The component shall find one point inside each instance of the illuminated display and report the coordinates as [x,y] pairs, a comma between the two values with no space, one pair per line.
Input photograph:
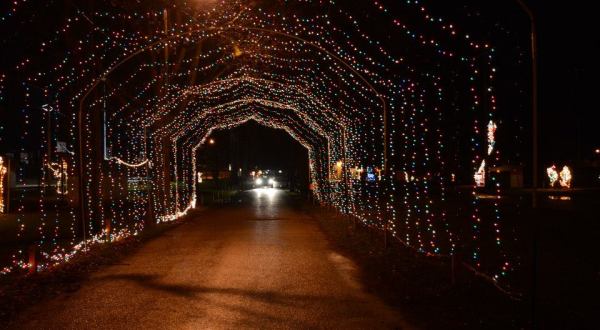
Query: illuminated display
[480,175]
[61,173]
[139,101]
[491,136]
[565,177]
[3,174]
[552,175]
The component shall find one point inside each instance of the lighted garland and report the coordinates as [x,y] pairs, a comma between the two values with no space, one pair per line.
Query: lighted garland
[319,73]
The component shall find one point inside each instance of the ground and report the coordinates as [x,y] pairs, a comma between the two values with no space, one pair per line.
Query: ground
[261,264]
[273,260]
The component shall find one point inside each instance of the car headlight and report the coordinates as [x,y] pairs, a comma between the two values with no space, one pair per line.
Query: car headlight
[258,181]
[271,181]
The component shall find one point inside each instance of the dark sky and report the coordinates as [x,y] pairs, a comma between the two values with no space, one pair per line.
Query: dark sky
[254,146]
[569,69]
[569,51]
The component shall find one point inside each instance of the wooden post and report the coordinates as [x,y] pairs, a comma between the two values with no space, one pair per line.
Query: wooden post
[108,229]
[453,269]
[33,259]
[7,203]
[166,51]
[149,207]
[385,236]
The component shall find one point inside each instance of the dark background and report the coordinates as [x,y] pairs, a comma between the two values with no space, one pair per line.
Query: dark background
[252,146]
[568,53]
[569,49]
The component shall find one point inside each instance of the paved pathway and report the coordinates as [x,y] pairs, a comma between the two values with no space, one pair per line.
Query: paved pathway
[261,264]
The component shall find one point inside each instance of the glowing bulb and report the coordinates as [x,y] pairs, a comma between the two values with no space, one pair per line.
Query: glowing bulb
[3,171]
[480,175]
[552,175]
[566,177]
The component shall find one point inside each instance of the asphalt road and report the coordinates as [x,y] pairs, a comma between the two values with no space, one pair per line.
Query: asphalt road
[260,264]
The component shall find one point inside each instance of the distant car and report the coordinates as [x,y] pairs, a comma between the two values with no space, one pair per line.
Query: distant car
[265,182]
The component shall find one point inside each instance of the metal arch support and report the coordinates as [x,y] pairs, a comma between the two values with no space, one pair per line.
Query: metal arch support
[219,29]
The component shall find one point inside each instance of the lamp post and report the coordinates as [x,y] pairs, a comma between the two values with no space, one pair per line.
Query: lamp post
[534,100]
[534,115]
[214,159]
[4,171]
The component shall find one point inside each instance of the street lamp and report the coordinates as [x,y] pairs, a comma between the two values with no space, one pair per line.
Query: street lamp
[534,115]
[534,103]
[3,172]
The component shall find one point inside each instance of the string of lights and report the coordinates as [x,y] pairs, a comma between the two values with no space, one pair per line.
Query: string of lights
[390,136]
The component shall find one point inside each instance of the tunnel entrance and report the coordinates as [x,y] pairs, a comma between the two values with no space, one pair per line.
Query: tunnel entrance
[250,156]
[400,135]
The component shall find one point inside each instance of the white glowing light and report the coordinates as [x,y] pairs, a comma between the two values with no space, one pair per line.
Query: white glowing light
[552,175]
[61,174]
[177,215]
[565,177]
[480,175]
[3,172]
[337,171]
[269,193]
[122,162]
[491,136]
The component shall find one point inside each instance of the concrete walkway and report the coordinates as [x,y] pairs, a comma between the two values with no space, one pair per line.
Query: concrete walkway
[261,264]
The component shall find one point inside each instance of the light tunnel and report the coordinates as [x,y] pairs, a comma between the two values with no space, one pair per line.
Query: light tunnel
[411,119]
[184,146]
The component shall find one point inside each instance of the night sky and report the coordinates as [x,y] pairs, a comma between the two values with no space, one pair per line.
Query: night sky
[569,69]
[569,48]
[253,146]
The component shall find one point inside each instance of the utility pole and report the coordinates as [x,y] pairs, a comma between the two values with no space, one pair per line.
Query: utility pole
[534,116]
[534,100]
[166,30]
[385,136]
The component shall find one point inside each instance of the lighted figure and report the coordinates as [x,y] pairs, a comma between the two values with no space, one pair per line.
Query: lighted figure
[237,52]
[60,173]
[552,175]
[337,170]
[566,177]
[356,173]
[480,175]
[491,136]
[3,171]
[370,175]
